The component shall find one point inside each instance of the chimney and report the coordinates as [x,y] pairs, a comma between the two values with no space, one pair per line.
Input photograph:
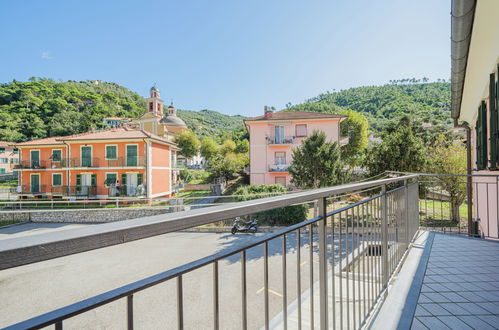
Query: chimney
[267,111]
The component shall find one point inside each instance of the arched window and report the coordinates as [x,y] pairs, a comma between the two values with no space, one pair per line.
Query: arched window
[150,106]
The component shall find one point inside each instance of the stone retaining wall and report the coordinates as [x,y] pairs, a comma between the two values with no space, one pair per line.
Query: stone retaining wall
[82,216]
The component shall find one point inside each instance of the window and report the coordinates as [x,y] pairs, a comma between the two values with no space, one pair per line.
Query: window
[111,152]
[150,106]
[86,156]
[4,160]
[301,130]
[35,158]
[16,151]
[111,179]
[56,155]
[2,150]
[481,137]
[494,129]
[278,134]
[280,158]
[2,170]
[56,179]
[280,180]
[131,155]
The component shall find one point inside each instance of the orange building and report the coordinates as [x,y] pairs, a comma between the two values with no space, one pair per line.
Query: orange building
[110,163]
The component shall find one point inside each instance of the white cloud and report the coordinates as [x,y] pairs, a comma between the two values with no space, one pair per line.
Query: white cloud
[47,56]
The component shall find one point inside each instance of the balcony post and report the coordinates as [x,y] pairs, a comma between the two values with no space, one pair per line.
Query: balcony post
[323,262]
[384,236]
[406,204]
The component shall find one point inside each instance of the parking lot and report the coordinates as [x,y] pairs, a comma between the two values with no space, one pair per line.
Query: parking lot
[30,290]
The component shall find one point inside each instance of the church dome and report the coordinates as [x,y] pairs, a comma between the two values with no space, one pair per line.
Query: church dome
[171,120]
[154,88]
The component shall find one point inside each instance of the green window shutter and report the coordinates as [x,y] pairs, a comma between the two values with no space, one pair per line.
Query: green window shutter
[86,156]
[493,122]
[139,178]
[93,181]
[78,180]
[56,155]
[484,135]
[123,179]
[110,179]
[481,137]
[111,152]
[56,179]
[131,155]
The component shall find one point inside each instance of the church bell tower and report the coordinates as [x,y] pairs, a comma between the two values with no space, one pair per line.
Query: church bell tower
[154,103]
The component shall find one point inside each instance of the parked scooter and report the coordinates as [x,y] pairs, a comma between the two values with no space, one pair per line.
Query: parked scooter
[248,227]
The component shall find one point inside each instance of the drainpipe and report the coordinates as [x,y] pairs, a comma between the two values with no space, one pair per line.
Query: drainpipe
[148,169]
[469,179]
[68,171]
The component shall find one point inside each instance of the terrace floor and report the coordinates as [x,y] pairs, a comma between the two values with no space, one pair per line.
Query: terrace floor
[449,282]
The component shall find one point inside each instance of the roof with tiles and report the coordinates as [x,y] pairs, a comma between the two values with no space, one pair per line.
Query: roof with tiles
[290,115]
[110,134]
[5,144]
[39,142]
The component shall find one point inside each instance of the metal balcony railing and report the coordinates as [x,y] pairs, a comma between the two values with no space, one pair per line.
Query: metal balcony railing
[279,168]
[34,189]
[280,139]
[356,245]
[76,191]
[32,164]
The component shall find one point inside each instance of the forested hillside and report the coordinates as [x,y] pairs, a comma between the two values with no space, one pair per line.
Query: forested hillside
[209,122]
[43,107]
[427,102]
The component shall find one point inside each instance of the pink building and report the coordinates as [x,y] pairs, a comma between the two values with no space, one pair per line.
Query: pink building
[9,157]
[274,135]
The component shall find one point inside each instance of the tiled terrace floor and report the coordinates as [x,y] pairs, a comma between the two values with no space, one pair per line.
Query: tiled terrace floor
[460,289]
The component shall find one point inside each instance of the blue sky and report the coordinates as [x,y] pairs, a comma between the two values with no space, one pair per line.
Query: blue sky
[231,56]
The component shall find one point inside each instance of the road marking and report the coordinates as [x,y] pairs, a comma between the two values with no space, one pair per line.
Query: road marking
[270,290]
[303,263]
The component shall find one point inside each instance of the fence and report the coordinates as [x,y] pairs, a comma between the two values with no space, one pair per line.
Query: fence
[357,247]
[443,205]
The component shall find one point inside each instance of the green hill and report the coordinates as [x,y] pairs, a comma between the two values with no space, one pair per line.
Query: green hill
[43,107]
[209,122]
[428,102]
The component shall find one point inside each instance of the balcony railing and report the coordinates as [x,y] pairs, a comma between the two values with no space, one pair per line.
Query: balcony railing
[282,168]
[280,140]
[84,162]
[348,251]
[101,162]
[127,191]
[35,189]
[27,164]
[76,191]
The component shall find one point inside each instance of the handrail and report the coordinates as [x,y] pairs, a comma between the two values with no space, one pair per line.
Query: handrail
[26,250]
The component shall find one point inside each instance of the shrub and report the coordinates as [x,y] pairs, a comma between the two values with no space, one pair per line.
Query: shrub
[287,215]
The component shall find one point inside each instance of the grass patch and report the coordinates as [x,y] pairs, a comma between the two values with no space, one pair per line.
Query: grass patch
[187,195]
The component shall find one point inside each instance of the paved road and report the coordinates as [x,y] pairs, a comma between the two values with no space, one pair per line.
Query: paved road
[37,288]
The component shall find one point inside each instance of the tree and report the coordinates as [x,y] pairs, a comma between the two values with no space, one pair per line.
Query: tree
[450,158]
[400,150]
[208,148]
[355,127]
[242,146]
[228,147]
[188,143]
[226,165]
[317,163]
